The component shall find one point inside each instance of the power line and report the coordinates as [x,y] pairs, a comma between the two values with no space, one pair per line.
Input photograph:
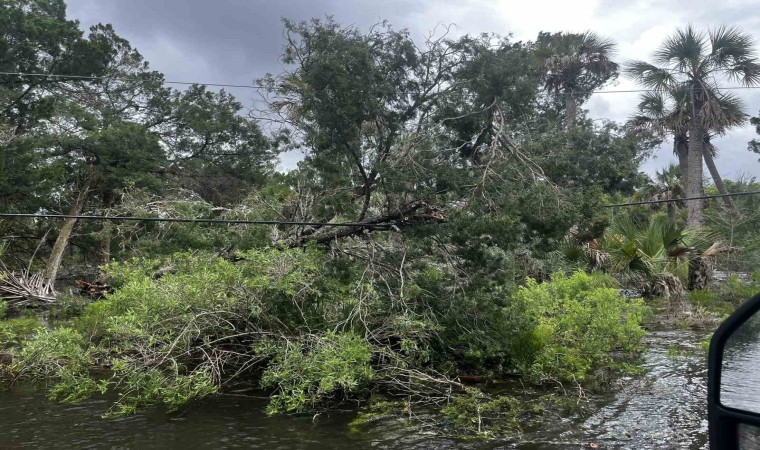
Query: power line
[94,78]
[260,86]
[703,197]
[195,220]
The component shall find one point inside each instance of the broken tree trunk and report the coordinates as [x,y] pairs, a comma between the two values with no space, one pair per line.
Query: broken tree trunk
[715,175]
[62,241]
[415,212]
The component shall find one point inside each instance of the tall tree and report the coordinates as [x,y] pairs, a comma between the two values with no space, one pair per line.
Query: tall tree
[214,150]
[36,37]
[669,113]
[99,134]
[574,65]
[695,61]
[754,144]
[351,101]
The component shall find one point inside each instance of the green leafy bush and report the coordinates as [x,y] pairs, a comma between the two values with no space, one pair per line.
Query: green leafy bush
[712,302]
[737,291]
[475,413]
[140,387]
[14,331]
[3,309]
[305,373]
[182,335]
[61,357]
[577,322]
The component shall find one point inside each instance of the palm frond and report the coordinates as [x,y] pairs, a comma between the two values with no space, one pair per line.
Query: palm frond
[729,45]
[727,112]
[745,72]
[592,43]
[685,49]
[650,76]
[653,104]
[650,254]
[721,112]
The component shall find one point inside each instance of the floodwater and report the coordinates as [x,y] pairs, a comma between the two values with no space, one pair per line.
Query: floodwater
[664,407]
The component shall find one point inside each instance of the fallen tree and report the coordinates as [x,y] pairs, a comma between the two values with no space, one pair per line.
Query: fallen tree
[415,212]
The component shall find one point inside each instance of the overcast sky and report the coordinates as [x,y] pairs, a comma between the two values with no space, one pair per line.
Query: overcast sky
[237,41]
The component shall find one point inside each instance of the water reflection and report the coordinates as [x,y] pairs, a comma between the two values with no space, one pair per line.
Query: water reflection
[749,437]
[740,372]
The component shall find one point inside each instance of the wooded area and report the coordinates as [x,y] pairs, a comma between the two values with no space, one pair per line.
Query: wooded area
[480,179]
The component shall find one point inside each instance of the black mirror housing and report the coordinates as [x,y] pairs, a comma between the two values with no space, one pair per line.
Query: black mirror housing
[723,421]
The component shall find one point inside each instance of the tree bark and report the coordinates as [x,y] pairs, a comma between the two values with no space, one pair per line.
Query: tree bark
[406,215]
[571,111]
[105,239]
[699,273]
[672,212]
[681,149]
[694,183]
[105,244]
[62,241]
[715,175]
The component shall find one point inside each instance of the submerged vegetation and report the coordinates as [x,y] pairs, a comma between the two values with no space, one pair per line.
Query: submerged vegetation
[468,182]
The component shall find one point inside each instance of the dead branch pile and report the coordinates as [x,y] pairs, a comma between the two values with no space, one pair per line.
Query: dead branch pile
[24,288]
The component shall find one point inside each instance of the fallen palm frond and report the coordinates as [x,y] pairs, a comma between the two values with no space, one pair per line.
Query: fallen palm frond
[24,288]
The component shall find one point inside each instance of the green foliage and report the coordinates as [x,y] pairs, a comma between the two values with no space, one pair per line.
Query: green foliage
[207,305]
[604,157]
[653,255]
[577,324]
[73,386]
[737,291]
[49,352]
[3,309]
[140,387]
[476,414]
[60,357]
[712,302]
[470,127]
[68,307]
[14,331]
[304,374]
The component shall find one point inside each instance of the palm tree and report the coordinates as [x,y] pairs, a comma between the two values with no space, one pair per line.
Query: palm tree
[731,115]
[694,61]
[650,255]
[668,186]
[573,65]
[663,113]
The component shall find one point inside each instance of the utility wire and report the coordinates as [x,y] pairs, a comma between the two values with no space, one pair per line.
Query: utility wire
[703,197]
[94,78]
[194,220]
[260,86]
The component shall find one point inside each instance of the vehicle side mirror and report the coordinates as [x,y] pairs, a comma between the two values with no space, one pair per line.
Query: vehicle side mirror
[733,380]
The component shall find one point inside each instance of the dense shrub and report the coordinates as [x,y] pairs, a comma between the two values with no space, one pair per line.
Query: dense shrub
[14,331]
[576,323]
[316,332]
[304,373]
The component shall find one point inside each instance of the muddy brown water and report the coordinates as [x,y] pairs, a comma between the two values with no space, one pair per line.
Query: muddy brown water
[664,407]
